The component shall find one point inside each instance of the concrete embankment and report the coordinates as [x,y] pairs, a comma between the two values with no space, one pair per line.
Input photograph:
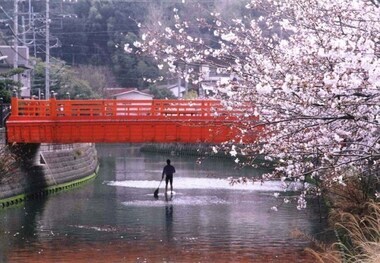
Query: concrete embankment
[47,168]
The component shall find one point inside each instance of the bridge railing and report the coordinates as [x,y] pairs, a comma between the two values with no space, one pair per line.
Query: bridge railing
[119,109]
[114,121]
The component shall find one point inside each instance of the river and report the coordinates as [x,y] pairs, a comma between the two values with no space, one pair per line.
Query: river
[115,217]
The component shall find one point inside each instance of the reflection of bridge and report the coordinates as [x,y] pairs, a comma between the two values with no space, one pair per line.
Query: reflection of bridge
[71,121]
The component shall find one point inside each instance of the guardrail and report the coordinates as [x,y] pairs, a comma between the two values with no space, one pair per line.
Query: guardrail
[119,109]
[108,121]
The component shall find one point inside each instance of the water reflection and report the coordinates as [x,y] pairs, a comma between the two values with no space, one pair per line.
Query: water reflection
[115,218]
[169,217]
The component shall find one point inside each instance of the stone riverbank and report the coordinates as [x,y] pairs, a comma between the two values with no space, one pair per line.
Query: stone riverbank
[47,168]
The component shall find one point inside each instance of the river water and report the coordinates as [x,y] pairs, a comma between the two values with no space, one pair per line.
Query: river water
[115,217]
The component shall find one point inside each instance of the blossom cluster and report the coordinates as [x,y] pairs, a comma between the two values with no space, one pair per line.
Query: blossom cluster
[309,70]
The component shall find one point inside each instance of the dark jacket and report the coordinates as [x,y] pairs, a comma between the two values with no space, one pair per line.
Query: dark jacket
[168,170]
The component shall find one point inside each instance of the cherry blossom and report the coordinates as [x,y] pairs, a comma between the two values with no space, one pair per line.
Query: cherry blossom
[310,72]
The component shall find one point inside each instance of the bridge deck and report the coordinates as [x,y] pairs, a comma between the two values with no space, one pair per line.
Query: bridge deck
[70,121]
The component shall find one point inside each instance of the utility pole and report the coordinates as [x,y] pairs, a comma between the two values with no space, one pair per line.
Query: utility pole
[15,44]
[23,31]
[30,13]
[34,33]
[47,59]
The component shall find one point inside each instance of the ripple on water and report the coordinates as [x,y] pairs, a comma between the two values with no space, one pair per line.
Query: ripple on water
[204,183]
[178,201]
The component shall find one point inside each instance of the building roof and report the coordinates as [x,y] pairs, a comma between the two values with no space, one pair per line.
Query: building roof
[116,92]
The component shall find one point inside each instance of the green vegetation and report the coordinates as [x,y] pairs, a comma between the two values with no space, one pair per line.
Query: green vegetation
[91,37]
[65,81]
[190,95]
[96,34]
[161,93]
[7,84]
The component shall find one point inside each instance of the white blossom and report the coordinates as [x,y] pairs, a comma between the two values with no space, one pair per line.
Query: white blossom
[228,37]
[263,88]
[127,48]
[274,208]
[301,202]
[137,44]
[233,151]
[214,149]
[310,71]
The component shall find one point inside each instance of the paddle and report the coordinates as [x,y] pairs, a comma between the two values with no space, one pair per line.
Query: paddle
[156,192]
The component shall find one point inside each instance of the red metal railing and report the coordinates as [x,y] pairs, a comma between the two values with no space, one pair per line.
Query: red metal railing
[67,121]
[152,109]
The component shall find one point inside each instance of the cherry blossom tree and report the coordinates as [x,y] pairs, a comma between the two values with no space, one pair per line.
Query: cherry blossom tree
[309,70]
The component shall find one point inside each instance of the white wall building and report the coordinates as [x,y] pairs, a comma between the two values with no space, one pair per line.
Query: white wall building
[128,94]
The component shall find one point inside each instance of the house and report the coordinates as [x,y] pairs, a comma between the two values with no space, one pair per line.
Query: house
[128,108]
[7,53]
[211,77]
[127,94]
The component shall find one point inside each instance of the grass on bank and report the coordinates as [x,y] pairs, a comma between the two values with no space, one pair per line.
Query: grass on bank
[358,238]
[355,218]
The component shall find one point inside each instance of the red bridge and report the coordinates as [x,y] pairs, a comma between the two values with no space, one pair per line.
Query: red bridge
[110,121]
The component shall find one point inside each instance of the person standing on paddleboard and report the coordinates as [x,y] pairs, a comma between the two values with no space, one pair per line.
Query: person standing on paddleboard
[169,170]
